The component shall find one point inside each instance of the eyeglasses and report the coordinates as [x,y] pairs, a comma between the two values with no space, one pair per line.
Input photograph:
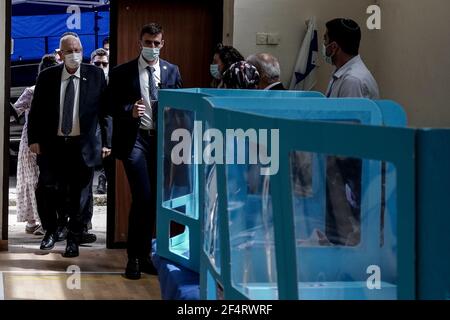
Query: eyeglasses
[99,63]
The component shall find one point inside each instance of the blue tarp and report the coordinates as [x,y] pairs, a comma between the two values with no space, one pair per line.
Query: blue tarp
[36,35]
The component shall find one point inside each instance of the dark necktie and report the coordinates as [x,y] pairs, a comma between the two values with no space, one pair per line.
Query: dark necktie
[67,116]
[153,90]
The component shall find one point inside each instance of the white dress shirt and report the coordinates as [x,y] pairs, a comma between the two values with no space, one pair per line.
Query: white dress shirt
[353,80]
[76,108]
[146,120]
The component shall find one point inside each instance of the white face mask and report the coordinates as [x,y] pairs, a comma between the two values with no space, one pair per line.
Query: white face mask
[214,70]
[150,54]
[328,59]
[73,60]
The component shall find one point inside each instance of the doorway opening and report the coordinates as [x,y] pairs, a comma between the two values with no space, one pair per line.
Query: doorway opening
[36,27]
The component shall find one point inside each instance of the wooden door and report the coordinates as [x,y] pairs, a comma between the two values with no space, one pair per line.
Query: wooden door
[191,31]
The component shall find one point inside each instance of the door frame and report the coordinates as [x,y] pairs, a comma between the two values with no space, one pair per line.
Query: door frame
[228,22]
[227,39]
[4,117]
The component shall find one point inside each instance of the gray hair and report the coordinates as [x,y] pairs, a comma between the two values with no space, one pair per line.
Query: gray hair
[267,65]
[67,36]
[99,52]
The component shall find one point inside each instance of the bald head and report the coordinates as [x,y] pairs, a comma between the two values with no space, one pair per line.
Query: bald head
[268,67]
[68,41]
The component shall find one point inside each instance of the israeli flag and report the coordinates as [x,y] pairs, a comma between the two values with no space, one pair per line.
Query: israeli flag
[304,77]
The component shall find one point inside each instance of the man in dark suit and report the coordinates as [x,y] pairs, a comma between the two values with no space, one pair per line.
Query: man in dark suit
[269,71]
[134,92]
[66,110]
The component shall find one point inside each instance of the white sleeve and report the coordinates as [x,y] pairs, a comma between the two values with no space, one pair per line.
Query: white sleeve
[351,87]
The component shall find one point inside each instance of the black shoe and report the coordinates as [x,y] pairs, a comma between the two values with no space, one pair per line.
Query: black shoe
[133,271]
[49,241]
[148,267]
[71,249]
[61,233]
[87,237]
[101,187]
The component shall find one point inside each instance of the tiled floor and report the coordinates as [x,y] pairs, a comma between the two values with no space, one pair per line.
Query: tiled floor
[96,274]
[29,273]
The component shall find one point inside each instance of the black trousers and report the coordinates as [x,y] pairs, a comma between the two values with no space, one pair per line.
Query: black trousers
[343,215]
[63,186]
[140,168]
[107,171]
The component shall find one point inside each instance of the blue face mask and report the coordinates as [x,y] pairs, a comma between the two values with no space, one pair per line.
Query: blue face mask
[214,70]
[328,58]
[150,54]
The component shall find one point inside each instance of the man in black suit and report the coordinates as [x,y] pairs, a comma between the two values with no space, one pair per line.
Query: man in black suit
[269,71]
[65,112]
[134,92]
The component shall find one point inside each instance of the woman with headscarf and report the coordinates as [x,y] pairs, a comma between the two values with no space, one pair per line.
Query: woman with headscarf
[241,75]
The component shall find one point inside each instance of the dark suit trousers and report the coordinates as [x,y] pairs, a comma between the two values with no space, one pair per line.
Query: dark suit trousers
[140,168]
[64,182]
[47,198]
[107,171]
[342,216]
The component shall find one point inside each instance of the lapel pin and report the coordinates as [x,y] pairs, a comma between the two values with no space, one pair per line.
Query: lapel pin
[84,79]
[165,67]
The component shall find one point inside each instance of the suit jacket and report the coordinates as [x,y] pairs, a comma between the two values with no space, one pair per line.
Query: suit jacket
[43,119]
[125,90]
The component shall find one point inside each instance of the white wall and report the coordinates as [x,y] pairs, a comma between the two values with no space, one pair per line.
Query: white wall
[414,59]
[2,100]
[409,56]
[288,17]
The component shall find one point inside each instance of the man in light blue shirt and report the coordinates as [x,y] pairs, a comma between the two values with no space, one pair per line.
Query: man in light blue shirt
[351,79]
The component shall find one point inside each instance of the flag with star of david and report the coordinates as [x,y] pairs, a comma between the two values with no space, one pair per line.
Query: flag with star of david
[305,72]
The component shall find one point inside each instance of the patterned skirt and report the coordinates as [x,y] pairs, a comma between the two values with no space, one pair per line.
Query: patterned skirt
[27,178]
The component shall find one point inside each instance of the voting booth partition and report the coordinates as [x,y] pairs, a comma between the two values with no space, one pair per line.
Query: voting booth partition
[277,206]
[181,189]
[313,233]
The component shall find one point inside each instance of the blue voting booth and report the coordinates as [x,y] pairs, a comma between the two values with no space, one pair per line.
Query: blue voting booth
[325,224]
[179,198]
